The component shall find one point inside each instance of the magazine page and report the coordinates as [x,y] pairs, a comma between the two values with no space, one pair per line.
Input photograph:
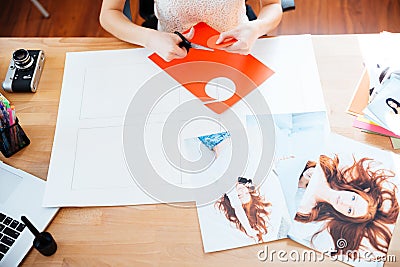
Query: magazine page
[386,105]
[349,208]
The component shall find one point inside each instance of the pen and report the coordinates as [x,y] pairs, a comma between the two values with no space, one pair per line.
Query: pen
[1,116]
[10,116]
[30,226]
[7,117]
[14,128]
[13,112]
[3,133]
[43,241]
[20,135]
[4,100]
[13,138]
[5,114]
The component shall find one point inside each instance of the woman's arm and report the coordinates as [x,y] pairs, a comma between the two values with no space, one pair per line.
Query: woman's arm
[242,217]
[247,33]
[115,22]
[270,16]
[240,213]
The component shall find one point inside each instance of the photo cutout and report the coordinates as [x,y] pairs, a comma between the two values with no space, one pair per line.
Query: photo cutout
[208,156]
[347,204]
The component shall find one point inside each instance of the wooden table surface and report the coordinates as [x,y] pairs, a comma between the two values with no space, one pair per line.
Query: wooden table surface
[156,235]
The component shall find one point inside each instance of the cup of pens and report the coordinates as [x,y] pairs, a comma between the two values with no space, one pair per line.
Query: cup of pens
[12,136]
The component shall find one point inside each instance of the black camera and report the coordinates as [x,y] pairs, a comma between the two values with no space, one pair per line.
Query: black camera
[24,71]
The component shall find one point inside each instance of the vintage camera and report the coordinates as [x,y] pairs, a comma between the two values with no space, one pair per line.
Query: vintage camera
[24,71]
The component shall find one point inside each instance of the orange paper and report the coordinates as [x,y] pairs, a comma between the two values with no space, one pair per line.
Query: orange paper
[212,42]
[245,71]
[361,96]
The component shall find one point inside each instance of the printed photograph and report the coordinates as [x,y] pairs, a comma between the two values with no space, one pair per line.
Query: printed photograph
[347,202]
[249,213]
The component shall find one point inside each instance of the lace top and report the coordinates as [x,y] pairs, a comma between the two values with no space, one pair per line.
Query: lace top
[180,15]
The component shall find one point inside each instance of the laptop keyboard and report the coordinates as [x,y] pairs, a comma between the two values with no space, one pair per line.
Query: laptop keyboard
[10,230]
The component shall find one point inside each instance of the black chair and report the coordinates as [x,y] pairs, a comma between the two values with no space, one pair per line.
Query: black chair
[146,11]
[288,5]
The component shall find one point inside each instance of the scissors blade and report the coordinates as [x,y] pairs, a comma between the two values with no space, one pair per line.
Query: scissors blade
[200,47]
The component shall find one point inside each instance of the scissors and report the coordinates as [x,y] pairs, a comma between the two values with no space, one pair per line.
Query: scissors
[187,44]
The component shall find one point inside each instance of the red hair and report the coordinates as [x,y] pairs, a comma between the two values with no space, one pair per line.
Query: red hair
[369,184]
[255,211]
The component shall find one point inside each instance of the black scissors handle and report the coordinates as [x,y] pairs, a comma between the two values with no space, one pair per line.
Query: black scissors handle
[185,42]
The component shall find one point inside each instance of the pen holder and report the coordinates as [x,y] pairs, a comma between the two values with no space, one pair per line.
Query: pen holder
[12,139]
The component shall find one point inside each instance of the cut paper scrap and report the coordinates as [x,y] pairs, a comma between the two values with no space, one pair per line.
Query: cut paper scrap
[361,95]
[395,142]
[200,67]
[212,42]
[365,124]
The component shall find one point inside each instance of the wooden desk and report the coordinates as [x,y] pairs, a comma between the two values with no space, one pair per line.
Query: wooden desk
[159,235]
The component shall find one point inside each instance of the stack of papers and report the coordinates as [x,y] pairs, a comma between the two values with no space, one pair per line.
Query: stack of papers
[376,103]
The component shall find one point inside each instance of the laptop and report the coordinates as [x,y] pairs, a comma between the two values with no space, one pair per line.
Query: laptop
[20,194]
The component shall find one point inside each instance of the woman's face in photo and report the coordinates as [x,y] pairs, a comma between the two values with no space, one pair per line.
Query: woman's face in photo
[243,193]
[392,104]
[350,204]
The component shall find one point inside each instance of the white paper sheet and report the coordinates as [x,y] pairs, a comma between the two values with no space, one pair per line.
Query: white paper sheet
[87,166]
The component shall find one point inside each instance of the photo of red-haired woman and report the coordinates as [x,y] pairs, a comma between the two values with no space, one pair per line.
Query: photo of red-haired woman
[350,204]
[248,214]
[246,209]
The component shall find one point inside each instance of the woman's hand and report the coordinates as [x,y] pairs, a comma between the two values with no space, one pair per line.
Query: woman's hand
[166,45]
[246,34]
[252,233]
[303,181]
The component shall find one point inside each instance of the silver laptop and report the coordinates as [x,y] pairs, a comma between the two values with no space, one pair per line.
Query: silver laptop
[20,194]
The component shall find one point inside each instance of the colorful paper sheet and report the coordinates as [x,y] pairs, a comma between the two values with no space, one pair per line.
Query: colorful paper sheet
[200,66]
[365,124]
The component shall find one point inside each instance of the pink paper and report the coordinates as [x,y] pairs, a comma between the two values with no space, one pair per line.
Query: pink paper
[373,128]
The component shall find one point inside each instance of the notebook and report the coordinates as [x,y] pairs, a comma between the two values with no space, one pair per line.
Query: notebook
[20,194]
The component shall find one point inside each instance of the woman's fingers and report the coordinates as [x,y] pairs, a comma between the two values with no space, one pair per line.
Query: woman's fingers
[189,35]
[226,36]
[169,49]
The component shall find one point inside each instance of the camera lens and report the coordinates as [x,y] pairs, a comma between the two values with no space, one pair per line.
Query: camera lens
[22,59]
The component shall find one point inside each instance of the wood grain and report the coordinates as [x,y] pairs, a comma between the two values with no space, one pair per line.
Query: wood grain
[156,235]
[77,18]
[341,16]
[38,112]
